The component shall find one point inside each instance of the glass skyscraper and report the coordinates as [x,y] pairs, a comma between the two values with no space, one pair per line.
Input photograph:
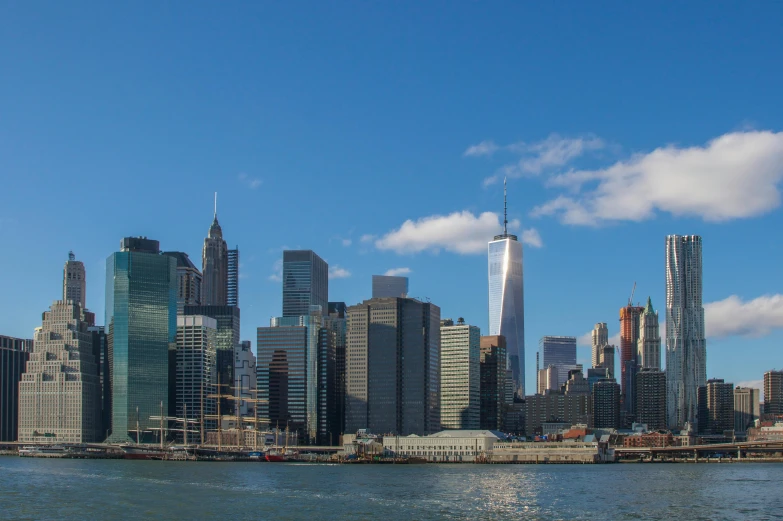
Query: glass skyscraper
[389,286]
[686,350]
[232,292]
[141,324]
[506,301]
[305,283]
[560,352]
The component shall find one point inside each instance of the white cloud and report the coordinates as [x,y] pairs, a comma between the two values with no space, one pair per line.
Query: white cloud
[250,182]
[485,148]
[532,238]
[554,151]
[459,232]
[395,272]
[277,271]
[736,175]
[733,316]
[367,237]
[336,272]
[346,242]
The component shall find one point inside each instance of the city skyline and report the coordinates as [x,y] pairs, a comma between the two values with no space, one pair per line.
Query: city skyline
[432,135]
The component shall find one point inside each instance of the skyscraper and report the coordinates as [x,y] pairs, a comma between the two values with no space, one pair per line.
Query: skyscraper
[305,283]
[651,398]
[59,394]
[389,286]
[607,359]
[629,337]
[648,347]
[337,322]
[245,377]
[141,324]
[393,367]
[460,375]
[718,397]
[506,299]
[600,339]
[746,408]
[493,378]
[295,370]
[14,353]
[74,281]
[606,404]
[189,281]
[214,268]
[232,293]
[560,352]
[196,368]
[686,353]
[773,392]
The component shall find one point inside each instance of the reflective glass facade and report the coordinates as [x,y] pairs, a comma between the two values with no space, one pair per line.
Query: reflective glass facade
[305,283]
[14,353]
[506,303]
[141,324]
[686,350]
[232,292]
[560,352]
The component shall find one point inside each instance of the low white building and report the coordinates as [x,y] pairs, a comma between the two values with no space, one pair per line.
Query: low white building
[451,445]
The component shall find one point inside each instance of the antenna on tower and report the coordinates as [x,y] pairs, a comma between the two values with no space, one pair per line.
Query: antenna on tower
[215,205]
[505,209]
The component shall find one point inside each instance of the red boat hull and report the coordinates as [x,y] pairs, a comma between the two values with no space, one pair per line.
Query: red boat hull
[275,458]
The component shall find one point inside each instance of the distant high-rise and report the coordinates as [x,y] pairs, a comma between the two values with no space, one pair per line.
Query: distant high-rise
[558,351]
[74,281]
[389,286]
[607,359]
[746,408]
[648,346]
[295,370]
[686,353]
[14,353]
[305,283]
[773,392]
[393,375]
[232,293]
[493,378]
[59,394]
[245,377]
[214,267]
[460,375]
[189,281]
[716,406]
[506,298]
[630,317]
[228,327]
[337,322]
[100,350]
[141,325]
[600,339]
[651,398]
[606,404]
[196,368]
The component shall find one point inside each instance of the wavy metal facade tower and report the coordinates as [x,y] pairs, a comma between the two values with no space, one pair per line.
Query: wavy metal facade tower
[506,299]
[686,350]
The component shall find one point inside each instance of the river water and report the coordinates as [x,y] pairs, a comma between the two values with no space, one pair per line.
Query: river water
[119,489]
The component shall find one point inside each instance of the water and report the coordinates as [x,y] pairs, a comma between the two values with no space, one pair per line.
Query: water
[118,489]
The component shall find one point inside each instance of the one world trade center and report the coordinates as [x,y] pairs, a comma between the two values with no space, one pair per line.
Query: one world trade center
[506,301]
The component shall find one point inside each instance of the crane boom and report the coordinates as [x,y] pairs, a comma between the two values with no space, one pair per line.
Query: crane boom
[630,300]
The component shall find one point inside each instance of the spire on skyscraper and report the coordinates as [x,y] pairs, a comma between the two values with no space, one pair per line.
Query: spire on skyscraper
[505,209]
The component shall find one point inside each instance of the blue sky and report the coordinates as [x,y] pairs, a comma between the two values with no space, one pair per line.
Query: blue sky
[329,126]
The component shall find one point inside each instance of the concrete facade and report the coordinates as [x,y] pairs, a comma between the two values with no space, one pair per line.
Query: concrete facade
[460,375]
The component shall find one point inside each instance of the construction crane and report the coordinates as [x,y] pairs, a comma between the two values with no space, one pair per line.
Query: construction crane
[630,300]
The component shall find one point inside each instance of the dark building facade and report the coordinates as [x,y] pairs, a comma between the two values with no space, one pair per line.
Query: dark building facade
[773,393]
[651,398]
[338,323]
[630,318]
[393,367]
[14,353]
[305,283]
[606,404]
[493,381]
[389,286]
[232,293]
[716,407]
[100,349]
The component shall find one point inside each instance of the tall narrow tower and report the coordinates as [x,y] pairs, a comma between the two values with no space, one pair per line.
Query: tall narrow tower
[648,347]
[74,281]
[214,270]
[600,339]
[686,350]
[506,300]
